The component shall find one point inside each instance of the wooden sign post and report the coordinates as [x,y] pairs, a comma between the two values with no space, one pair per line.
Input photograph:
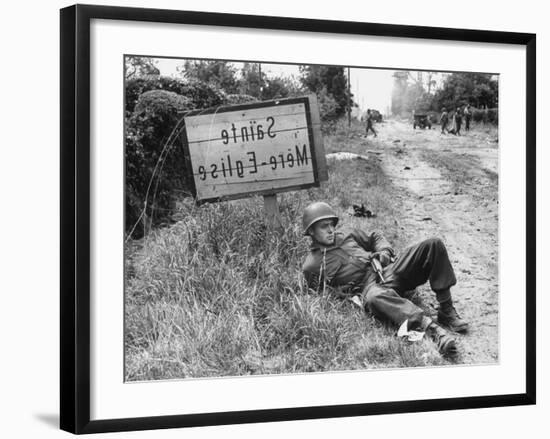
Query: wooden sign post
[255,149]
[271,210]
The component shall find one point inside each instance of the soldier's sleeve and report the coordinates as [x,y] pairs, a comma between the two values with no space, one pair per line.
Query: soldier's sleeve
[312,279]
[373,242]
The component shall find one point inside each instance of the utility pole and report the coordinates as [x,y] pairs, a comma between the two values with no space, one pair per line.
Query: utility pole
[349,100]
[261,83]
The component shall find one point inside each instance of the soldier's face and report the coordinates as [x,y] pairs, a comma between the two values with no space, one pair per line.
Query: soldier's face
[322,232]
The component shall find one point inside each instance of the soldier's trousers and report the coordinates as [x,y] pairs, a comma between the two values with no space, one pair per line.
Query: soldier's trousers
[417,264]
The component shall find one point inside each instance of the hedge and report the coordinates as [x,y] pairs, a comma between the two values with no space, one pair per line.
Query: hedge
[200,94]
[486,116]
[150,133]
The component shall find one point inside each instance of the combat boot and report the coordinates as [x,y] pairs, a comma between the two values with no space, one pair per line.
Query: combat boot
[448,316]
[446,344]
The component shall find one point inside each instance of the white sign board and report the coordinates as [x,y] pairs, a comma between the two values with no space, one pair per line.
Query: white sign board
[260,148]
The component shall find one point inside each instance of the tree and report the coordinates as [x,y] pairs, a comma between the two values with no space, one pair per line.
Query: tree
[219,74]
[135,66]
[281,87]
[331,79]
[477,89]
[250,82]
[400,79]
[414,91]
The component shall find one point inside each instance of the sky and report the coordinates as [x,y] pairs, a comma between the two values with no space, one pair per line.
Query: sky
[371,88]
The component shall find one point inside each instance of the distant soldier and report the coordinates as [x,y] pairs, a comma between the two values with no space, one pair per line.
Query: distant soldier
[370,118]
[457,122]
[444,121]
[467,117]
[343,264]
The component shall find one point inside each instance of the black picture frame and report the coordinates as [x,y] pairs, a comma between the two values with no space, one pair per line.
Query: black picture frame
[75,217]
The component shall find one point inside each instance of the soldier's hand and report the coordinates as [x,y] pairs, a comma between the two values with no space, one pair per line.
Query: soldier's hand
[383,257]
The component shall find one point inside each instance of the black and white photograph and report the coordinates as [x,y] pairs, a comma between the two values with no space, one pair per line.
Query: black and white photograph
[307,218]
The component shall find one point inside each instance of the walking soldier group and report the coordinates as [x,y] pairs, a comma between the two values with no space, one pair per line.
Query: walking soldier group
[456,121]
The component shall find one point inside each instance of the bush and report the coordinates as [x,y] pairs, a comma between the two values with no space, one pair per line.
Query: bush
[236,99]
[328,111]
[150,132]
[156,102]
[477,115]
[200,94]
[486,116]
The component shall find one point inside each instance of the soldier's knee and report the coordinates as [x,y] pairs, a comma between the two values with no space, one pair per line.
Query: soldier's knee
[434,242]
[374,299]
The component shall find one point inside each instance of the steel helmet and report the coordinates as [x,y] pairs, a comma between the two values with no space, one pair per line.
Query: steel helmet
[316,212]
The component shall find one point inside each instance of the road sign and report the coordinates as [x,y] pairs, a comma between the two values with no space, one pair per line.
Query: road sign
[260,148]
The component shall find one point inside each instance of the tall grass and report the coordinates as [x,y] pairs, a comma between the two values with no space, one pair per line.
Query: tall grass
[221,294]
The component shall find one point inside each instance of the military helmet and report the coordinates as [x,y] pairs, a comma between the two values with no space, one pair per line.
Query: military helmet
[317,212]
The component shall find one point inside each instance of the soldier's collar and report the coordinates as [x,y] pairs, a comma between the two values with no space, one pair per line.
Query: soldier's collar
[337,242]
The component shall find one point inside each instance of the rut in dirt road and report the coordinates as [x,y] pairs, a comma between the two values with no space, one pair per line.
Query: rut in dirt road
[447,190]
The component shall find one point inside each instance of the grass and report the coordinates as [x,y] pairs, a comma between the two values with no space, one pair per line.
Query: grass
[219,294]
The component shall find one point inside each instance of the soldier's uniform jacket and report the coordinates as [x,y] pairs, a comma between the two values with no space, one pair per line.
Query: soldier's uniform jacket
[370,119]
[346,263]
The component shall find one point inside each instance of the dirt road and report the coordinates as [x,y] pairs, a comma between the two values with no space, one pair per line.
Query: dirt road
[448,187]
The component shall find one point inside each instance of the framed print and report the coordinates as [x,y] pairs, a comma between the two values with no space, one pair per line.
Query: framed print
[272,218]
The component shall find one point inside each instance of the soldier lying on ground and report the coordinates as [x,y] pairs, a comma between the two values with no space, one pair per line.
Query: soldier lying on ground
[342,262]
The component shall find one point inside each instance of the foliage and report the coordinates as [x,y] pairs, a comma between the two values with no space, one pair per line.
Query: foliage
[154,160]
[412,92]
[250,82]
[400,85]
[280,87]
[135,66]
[219,74]
[236,99]
[419,100]
[246,82]
[331,82]
[328,109]
[478,89]
[488,115]
[200,94]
